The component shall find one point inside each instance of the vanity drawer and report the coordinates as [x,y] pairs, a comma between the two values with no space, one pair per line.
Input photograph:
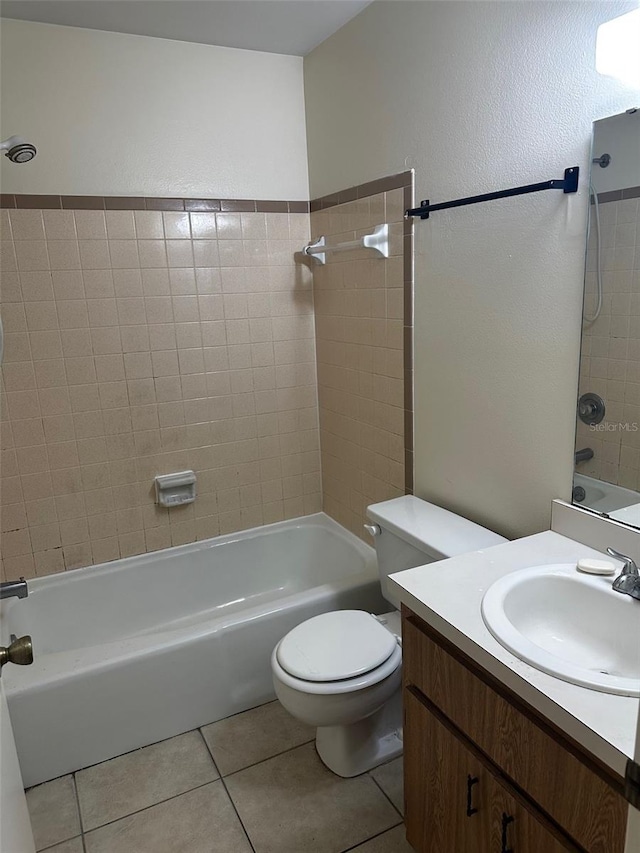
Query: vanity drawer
[456,803]
[568,787]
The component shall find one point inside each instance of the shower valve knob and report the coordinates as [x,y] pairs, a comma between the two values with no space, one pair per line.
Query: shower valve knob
[591,408]
[20,651]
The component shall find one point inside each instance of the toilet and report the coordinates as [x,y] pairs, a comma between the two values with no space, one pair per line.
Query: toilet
[341,671]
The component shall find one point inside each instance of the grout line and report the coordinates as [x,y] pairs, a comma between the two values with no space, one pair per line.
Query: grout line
[209,753]
[146,808]
[386,795]
[233,805]
[105,760]
[139,748]
[262,760]
[65,841]
[237,714]
[366,840]
[75,788]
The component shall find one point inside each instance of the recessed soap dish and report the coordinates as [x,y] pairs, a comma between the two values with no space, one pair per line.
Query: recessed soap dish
[175,489]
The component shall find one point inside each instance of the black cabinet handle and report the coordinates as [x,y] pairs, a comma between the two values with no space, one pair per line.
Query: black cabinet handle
[506,820]
[471,781]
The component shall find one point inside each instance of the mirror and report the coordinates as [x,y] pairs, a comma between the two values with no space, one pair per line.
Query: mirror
[607,450]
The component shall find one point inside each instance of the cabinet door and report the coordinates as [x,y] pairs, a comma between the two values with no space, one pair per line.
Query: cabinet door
[514,829]
[447,803]
[517,743]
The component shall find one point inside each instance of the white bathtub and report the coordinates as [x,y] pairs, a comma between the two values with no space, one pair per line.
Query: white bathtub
[134,651]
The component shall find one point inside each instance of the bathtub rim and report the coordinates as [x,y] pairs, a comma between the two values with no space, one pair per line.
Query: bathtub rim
[317,519]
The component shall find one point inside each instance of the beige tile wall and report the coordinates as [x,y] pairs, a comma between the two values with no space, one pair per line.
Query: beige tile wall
[144,342]
[610,363]
[359,312]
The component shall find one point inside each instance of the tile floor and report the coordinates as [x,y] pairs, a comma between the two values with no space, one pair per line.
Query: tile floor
[252,782]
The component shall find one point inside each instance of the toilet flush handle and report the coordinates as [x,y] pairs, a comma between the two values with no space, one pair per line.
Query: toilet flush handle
[373,530]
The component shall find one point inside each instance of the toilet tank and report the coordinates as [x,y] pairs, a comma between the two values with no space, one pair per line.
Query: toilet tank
[414,532]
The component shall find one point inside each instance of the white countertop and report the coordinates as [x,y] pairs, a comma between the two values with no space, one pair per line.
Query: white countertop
[447,595]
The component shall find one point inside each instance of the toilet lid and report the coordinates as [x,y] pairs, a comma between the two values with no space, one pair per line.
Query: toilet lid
[334,646]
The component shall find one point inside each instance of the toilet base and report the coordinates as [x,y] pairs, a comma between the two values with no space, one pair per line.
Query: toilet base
[354,749]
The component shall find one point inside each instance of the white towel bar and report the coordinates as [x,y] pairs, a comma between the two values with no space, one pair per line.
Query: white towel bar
[378,241]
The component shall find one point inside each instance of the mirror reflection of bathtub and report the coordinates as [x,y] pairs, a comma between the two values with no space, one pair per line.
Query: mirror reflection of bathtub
[615,501]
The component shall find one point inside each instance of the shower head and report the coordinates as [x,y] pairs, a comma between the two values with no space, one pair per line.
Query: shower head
[17,150]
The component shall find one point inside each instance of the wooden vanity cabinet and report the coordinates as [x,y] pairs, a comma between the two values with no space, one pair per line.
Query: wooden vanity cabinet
[483,774]
[454,802]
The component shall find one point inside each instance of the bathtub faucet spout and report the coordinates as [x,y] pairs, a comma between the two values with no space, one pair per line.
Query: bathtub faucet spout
[14,589]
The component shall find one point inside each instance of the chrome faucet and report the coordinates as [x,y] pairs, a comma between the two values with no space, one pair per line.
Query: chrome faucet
[628,581]
[14,589]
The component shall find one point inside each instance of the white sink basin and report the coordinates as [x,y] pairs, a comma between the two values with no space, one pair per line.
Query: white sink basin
[568,624]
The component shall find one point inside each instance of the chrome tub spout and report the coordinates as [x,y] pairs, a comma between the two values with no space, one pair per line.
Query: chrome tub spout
[14,589]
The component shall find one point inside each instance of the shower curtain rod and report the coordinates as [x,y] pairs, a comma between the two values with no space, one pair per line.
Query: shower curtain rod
[569,184]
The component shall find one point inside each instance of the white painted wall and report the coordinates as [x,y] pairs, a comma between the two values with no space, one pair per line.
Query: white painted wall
[115,114]
[478,96]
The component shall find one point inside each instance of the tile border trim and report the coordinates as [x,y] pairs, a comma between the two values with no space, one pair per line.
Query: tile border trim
[13,201]
[402,180]
[618,195]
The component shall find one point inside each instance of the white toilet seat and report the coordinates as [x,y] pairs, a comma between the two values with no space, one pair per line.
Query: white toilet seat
[335,646]
[347,685]
[373,674]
